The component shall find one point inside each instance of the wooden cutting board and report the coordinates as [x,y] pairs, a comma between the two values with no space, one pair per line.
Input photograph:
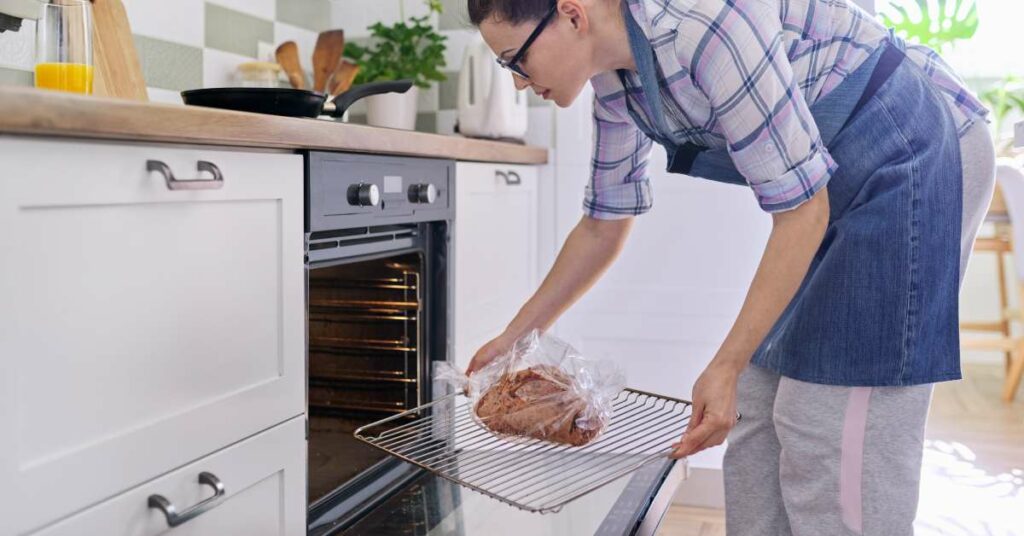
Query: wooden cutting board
[118,72]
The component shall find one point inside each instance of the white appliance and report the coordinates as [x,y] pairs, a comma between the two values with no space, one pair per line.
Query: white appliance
[13,11]
[489,105]
[22,9]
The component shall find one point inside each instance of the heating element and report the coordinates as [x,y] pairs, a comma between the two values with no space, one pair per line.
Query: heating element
[447,439]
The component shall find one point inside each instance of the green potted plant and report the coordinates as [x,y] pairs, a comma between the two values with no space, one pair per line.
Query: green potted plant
[408,49]
[1004,97]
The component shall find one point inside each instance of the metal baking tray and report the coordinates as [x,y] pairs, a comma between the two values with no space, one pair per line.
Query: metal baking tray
[444,438]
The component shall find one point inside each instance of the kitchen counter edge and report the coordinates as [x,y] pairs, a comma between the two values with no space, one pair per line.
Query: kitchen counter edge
[36,112]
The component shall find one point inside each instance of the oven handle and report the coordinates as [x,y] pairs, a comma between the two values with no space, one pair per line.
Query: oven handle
[171,513]
[216,183]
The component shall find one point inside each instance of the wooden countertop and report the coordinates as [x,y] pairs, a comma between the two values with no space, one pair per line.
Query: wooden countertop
[37,112]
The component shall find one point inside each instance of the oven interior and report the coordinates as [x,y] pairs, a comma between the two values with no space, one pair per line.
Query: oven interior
[366,360]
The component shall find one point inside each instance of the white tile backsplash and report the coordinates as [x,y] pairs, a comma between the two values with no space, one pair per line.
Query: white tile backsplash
[165,96]
[446,121]
[264,9]
[456,47]
[354,16]
[306,39]
[18,49]
[180,21]
[426,101]
[220,68]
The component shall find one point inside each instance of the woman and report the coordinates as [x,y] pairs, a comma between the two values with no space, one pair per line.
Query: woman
[877,168]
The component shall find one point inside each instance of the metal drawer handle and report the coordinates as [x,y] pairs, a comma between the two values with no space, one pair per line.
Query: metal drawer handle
[173,517]
[215,183]
[511,178]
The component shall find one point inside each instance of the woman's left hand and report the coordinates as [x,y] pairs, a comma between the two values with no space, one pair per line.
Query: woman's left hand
[714,410]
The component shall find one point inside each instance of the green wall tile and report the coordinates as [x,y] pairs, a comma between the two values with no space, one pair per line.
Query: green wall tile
[16,77]
[169,65]
[426,122]
[310,14]
[454,16]
[236,32]
[448,92]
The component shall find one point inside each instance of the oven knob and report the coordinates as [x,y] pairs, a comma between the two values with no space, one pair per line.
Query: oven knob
[422,193]
[364,195]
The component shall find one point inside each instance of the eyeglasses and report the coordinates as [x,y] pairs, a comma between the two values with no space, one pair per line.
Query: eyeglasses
[513,64]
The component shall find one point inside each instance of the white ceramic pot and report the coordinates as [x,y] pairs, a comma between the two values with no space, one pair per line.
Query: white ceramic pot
[393,110]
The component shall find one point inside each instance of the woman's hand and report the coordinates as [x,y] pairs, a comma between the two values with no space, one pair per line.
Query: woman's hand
[714,410]
[489,352]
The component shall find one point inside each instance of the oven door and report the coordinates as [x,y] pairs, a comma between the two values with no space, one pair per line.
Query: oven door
[429,505]
[377,319]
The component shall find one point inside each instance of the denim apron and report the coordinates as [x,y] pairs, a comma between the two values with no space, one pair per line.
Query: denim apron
[878,306]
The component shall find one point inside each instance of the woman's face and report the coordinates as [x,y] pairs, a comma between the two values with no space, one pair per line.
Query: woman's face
[559,60]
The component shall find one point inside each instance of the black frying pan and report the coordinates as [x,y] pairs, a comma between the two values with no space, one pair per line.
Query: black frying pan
[287,101]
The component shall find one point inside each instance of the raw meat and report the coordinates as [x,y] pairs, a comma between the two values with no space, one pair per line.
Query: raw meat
[537,402]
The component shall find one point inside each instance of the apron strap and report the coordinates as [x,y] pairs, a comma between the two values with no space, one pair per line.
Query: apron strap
[680,157]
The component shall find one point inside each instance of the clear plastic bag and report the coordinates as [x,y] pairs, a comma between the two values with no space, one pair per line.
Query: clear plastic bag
[543,389]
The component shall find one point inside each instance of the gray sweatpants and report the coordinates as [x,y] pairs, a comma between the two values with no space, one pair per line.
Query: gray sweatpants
[825,460]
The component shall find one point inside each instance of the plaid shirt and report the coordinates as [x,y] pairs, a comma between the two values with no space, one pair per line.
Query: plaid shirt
[739,74]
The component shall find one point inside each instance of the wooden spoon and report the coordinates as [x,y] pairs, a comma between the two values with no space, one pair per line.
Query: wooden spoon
[288,57]
[327,57]
[342,79]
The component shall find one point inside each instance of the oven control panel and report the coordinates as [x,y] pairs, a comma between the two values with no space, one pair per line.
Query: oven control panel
[348,190]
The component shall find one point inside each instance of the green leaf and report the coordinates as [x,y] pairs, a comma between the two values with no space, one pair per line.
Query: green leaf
[936,23]
[406,49]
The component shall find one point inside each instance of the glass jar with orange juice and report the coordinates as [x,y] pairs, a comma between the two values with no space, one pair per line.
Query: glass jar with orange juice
[64,46]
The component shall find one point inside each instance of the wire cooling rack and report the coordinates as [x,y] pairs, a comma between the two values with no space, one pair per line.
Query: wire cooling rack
[444,438]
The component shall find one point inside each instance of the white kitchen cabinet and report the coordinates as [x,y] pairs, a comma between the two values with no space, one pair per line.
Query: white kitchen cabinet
[496,249]
[141,327]
[264,494]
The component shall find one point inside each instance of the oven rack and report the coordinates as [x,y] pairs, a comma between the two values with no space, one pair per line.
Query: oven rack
[345,343]
[381,283]
[382,305]
[370,407]
[533,475]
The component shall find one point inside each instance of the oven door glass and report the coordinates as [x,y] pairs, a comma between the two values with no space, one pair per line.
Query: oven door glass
[366,360]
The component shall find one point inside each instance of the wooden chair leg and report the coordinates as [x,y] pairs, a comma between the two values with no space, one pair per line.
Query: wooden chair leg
[1013,377]
[1004,305]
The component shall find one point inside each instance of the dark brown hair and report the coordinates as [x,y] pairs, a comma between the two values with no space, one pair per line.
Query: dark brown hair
[509,11]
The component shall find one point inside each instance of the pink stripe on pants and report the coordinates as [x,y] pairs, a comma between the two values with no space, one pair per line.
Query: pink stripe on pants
[851,464]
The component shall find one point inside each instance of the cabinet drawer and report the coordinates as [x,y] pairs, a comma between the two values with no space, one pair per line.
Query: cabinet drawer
[142,327]
[264,494]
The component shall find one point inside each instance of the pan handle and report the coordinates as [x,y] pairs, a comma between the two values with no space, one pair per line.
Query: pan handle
[346,99]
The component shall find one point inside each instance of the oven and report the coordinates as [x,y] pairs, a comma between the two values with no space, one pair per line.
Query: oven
[379,314]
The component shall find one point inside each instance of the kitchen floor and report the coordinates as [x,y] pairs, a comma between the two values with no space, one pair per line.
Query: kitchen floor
[973,474]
